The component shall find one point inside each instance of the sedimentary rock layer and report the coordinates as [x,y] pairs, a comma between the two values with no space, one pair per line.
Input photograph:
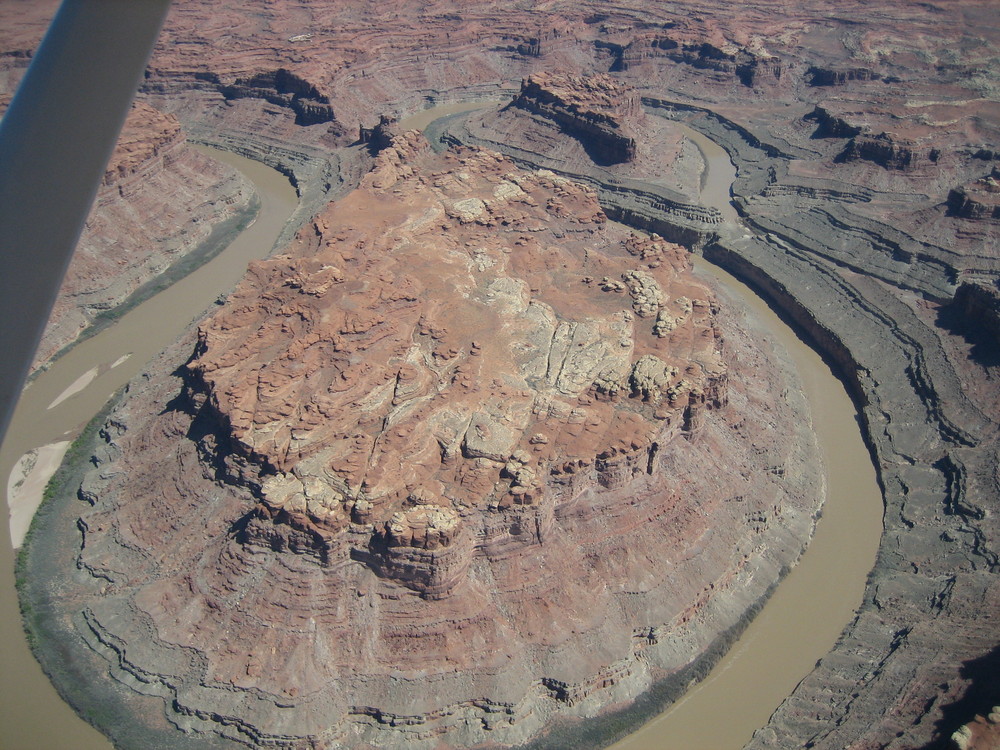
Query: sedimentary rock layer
[159,200]
[461,410]
[595,110]
[978,200]
[657,190]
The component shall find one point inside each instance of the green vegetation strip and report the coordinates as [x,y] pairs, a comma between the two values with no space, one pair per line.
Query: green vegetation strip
[45,569]
[221,237]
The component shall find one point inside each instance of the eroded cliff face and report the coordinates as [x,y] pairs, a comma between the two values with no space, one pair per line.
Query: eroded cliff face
[468,458]
[570,124]
[595,110]
[977,200]
[866,255]
[285,89]
[159,200]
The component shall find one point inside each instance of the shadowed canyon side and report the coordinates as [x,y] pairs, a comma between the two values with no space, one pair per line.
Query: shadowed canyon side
[468,457]
[865,139]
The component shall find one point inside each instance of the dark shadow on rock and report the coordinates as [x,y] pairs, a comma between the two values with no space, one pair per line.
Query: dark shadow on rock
[237,529]
[180,402]
[982,694]
[597,152]
[985,347]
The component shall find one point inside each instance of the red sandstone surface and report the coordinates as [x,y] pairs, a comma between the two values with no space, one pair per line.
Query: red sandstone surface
[463,358]
[883,112]
[472,437]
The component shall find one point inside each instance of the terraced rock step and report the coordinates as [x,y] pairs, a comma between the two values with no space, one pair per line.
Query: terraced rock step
[456,410]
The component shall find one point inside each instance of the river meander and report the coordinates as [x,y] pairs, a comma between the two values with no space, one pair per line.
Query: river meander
[798,625]
[31,713]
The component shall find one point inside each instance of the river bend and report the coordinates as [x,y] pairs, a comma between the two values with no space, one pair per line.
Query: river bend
[799,624]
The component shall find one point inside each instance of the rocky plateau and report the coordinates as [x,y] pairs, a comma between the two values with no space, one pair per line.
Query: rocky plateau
[445,468]
[370,487]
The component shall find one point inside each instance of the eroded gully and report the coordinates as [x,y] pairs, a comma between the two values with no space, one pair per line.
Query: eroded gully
[799,624]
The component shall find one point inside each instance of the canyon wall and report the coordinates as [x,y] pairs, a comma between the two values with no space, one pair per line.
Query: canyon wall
[159,200]
[861,239]
[595,110]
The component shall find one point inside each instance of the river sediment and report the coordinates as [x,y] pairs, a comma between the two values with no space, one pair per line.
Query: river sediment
[633,719]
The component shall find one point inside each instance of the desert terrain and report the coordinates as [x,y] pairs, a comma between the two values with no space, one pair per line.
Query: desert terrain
[461,374]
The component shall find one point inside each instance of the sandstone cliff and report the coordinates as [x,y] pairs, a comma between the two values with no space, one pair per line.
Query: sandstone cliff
[838,77]
[979,199]
[159,200]
[285,89]
[460,409]
[594,110]
[883,149]
[750,66]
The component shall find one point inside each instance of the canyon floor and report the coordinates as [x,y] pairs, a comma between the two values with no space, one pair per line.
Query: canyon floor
[865,139]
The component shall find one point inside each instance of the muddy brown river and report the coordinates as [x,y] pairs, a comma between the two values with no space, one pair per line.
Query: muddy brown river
[798,625]
[807,612]
[32,716]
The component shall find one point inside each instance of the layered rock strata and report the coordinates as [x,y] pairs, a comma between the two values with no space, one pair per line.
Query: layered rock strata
[930,416]
[460,409]
[655,190]
[159,200]
[285,89]
[839,77]
[595,110]
[883,149]
[751,66]
[867,258]
[979,199]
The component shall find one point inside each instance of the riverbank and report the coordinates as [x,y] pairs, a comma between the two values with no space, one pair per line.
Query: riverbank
[119,354]
[836,562]
[221,236]
[929,442]
[802,252]
[684,678]
[863,292]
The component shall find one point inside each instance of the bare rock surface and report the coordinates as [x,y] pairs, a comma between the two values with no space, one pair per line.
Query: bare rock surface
[448,481]
[595,110]
[979,199]
[158,201]
[656,189]
[865,254]
[863,135]
[612,139]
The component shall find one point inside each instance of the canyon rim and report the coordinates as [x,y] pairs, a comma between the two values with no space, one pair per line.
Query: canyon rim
[865,187]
